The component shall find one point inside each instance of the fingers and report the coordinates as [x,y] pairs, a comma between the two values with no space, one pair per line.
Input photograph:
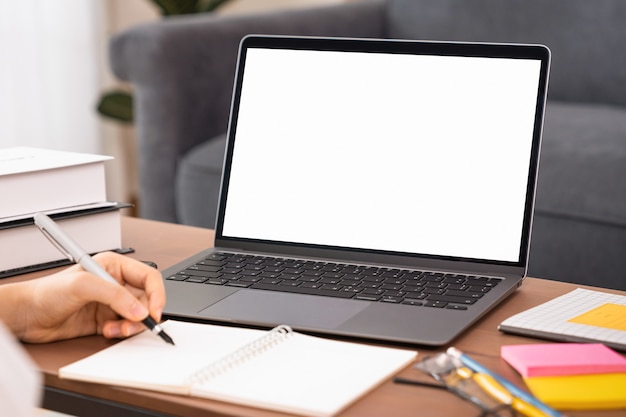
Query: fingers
[139,276]
[121,328]
[142,293]
[74,302]
[84,288]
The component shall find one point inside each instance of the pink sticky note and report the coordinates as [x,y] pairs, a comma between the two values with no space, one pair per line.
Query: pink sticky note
[553,359]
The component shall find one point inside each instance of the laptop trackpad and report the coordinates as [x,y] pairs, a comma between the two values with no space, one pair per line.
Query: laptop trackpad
[273,308]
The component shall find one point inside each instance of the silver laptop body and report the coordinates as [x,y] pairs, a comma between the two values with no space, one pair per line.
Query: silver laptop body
[407,160]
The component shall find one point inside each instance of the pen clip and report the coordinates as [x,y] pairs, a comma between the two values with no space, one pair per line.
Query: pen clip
[55,243]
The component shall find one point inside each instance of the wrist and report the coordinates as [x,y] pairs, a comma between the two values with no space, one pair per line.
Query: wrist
[13,309]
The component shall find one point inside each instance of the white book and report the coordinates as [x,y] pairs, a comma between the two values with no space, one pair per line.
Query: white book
[24,248]
[279,370]
[35,179]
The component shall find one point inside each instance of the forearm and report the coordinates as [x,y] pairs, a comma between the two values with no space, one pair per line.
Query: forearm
[14,302]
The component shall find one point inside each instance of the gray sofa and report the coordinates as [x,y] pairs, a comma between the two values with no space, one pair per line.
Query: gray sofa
[182,71]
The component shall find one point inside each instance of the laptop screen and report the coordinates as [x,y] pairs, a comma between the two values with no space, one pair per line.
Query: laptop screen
[410,153]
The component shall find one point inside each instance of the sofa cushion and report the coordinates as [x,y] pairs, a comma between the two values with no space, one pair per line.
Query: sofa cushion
[579,230]
[584,36]
[198,180]
[582,170]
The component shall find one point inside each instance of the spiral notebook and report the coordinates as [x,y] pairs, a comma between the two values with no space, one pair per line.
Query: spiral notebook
[278,369]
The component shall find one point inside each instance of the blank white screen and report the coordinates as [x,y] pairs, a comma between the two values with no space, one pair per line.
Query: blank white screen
[405,153]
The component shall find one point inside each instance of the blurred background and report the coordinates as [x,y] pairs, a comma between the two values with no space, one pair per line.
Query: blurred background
[54,70]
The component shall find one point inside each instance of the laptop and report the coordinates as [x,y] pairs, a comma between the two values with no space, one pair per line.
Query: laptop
[372,189]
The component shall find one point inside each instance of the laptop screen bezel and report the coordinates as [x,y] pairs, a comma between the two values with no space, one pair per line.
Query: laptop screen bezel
[464,49]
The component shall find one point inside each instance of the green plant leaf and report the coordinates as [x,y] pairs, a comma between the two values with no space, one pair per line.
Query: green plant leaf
[176,7]
[116,105]
[205,6]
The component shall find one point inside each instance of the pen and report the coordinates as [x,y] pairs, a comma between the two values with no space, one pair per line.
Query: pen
[512,389]
[76,254]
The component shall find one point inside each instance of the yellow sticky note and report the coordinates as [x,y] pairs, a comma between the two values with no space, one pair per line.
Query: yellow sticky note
[610,316]
[580,392]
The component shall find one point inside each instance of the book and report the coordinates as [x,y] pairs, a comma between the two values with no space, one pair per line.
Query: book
[279,370]
[579,316]
[556,359]
[24,248]
[36,179]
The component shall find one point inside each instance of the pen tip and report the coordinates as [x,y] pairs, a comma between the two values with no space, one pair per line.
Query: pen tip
[166,337]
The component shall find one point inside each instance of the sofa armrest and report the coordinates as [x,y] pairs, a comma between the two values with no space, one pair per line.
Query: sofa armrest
[182,72]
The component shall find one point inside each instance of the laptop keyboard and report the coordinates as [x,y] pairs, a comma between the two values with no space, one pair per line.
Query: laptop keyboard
[386,285]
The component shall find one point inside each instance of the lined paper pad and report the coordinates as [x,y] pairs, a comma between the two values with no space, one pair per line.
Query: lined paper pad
[553,359]
[579,316]
[294,373]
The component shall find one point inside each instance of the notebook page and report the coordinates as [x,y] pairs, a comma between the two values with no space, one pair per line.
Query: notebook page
[306,375]
[145,361]
[560,319]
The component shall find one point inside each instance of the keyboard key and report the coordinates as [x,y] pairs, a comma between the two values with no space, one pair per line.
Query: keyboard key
[248,278]
[207,267]
[271,281]
[201,273]
[433,291]
[373,291]
[250,273]
[437,304]
[216,281]
[217,256]
[241,284]
[391,287]
[451,299]
[178,277]
[468,294]
[367,297]
[391,299]
[231,270]
[413,302]
[198,280]
[459,279]
[475,288]
[431,278]
[311,285]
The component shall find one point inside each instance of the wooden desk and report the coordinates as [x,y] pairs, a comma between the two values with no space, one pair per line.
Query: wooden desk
[166,244]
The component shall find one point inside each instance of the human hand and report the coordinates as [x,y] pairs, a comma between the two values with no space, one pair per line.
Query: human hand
[74,303]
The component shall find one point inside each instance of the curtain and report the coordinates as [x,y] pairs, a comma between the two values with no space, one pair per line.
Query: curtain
[50,74]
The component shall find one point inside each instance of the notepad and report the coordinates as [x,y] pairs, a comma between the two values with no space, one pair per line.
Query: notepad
[280,370]
[579,316]
[555,359]
[581,392]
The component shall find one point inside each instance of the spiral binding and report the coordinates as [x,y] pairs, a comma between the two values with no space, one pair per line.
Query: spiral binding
[256,347]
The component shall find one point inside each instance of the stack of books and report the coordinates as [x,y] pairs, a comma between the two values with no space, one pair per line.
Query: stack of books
[69,187]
